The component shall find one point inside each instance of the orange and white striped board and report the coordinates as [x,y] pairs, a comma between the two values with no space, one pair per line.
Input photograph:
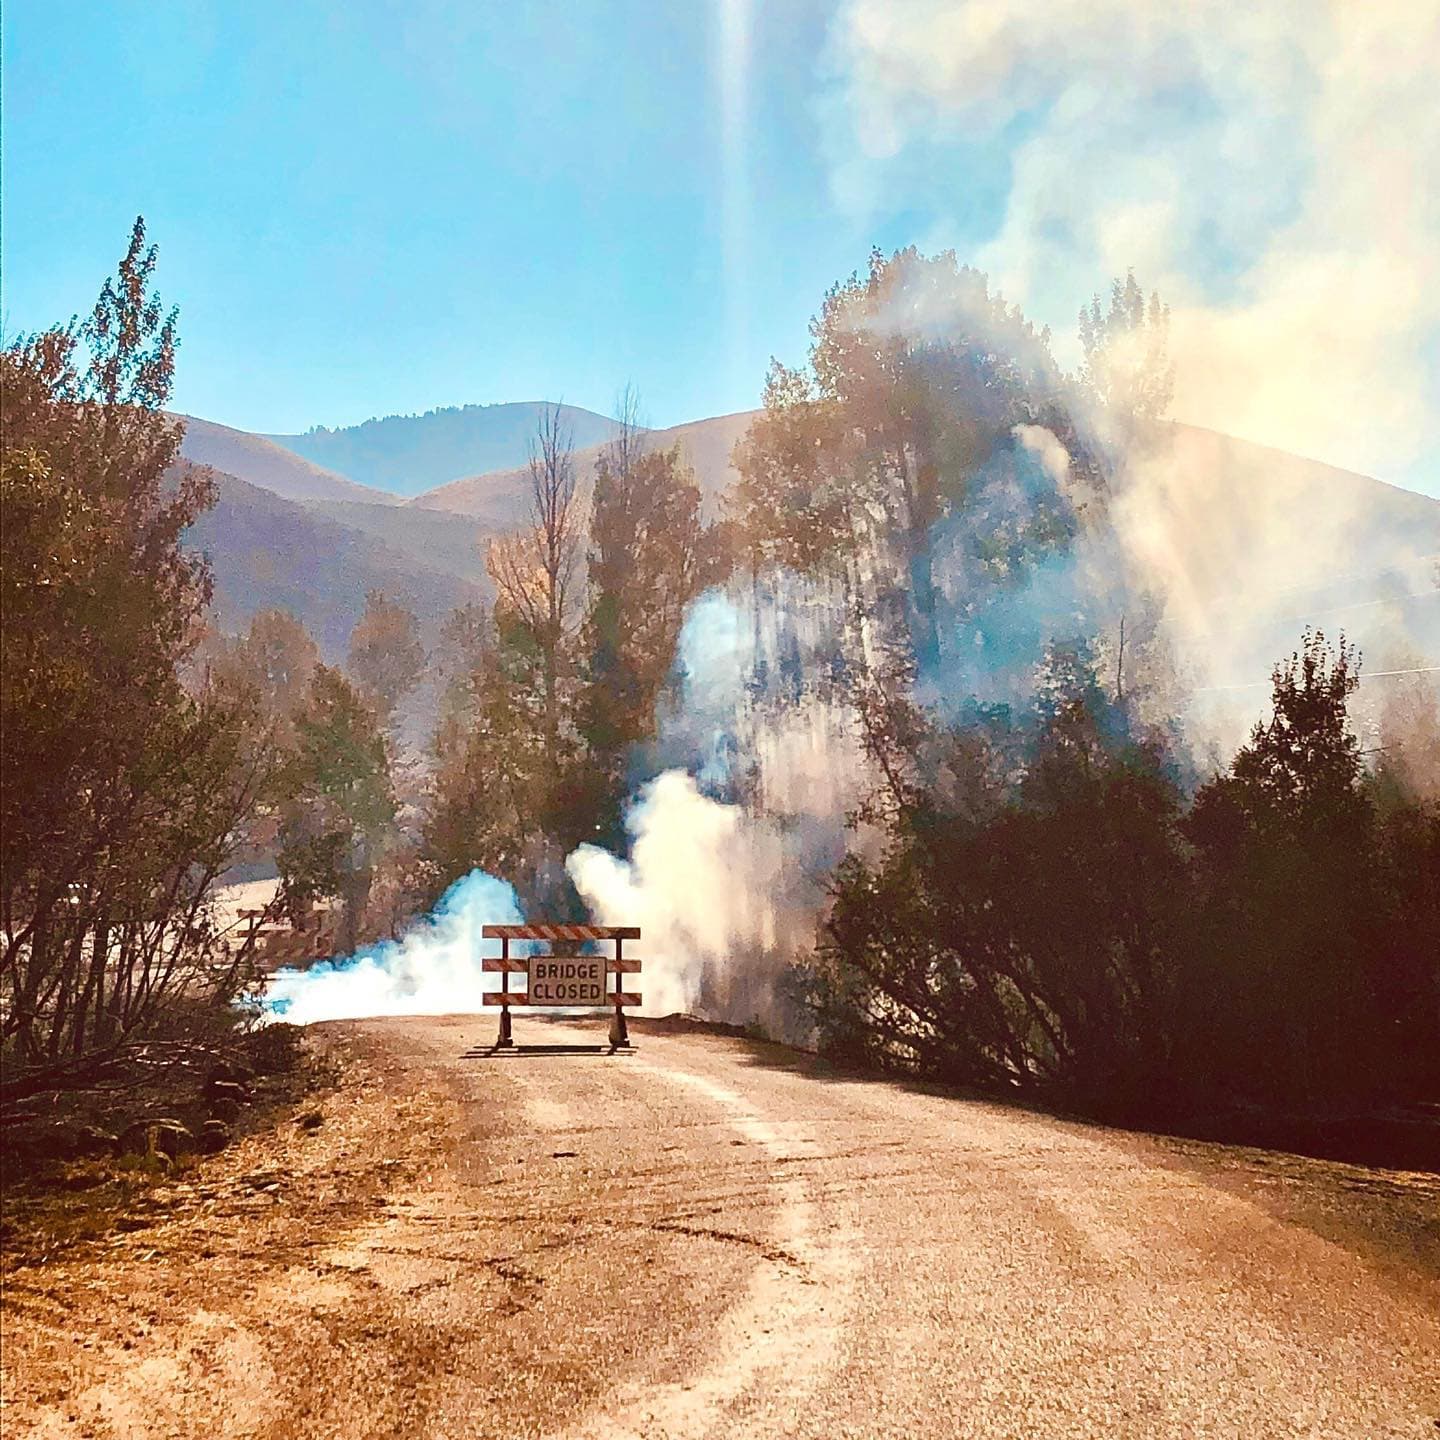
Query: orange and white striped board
[561,932]
[500,965]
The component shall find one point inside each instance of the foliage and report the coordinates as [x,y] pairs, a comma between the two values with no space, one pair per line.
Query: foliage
[1013,932]
[548,696]
[1049,914]
[276,659]
[386,657]
[1298,928]
[339,808]
[918,376]
[1127,366]
[492,780]
[536,574]
[648,560]
[123,795]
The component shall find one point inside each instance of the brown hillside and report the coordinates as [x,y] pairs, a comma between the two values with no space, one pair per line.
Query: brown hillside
[271,553]
[264,463]
[498,498]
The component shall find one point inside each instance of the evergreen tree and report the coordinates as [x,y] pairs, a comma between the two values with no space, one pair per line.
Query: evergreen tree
[1285,840]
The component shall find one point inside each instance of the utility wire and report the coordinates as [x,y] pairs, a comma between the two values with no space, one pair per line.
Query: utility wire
[1310,615]
[1372,675]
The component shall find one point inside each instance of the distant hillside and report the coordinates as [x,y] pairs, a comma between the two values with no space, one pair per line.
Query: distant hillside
[267,552]
[408,454]
[498,499]
[262,462]
[429,539]
[1248,545]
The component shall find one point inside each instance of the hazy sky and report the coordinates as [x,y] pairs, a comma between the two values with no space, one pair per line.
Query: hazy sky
[369,208]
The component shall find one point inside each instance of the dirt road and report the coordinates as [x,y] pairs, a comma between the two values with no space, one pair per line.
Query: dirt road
[711,1238]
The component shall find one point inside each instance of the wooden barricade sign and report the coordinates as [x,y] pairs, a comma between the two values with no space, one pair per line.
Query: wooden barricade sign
[567,981]
[562,981]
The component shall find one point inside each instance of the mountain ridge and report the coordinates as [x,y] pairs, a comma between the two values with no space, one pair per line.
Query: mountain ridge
[269,552]
[273,467]
[1218,514]
[406,455]
[500,495]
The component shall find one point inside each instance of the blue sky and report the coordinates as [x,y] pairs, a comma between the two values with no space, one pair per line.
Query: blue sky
[368,208]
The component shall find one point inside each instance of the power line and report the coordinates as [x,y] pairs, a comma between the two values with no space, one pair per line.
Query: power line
[1373,675]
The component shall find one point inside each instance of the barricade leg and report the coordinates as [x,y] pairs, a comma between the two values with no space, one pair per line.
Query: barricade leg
[504,1041]
[619,1035]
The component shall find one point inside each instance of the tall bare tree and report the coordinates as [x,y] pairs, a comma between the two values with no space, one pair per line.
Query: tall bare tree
[536,570]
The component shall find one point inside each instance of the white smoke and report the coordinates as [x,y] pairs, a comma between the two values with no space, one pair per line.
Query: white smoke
[730,848]
[1270,168]
[1245,547]
[712,888]
[1045,446]
[435,969]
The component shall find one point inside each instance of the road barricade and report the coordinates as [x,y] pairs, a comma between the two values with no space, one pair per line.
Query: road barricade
[563,980]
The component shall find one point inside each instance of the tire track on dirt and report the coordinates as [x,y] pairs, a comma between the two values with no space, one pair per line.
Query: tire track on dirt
[786,1328]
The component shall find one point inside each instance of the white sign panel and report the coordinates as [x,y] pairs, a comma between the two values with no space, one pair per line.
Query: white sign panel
[567,980]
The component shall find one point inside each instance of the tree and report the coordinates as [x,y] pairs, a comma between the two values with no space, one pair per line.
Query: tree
[386,657]
[277,657]
[1016,930]
[467,636]
[535,573]
[1127,366]
[648,559]
[492,787]
[123,795]
[1284,842]
[340,807]
[917,376]
[269,669]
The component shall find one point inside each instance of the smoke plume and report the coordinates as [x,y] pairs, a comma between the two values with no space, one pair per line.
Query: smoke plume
[1270,168]
[435,969]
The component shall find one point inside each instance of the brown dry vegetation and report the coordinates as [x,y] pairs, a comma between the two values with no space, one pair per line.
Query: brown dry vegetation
[102,1255]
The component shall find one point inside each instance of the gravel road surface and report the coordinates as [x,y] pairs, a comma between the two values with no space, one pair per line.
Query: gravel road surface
[712,1237]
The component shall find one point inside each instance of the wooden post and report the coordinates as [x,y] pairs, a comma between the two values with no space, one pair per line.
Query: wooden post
[619,1035]
[504,1040]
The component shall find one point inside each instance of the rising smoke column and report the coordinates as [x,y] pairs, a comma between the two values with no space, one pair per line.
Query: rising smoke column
[731,845]
[434,970]
[706,883]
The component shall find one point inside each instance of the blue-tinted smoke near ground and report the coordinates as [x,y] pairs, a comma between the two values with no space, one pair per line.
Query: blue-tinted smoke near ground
[434,969]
